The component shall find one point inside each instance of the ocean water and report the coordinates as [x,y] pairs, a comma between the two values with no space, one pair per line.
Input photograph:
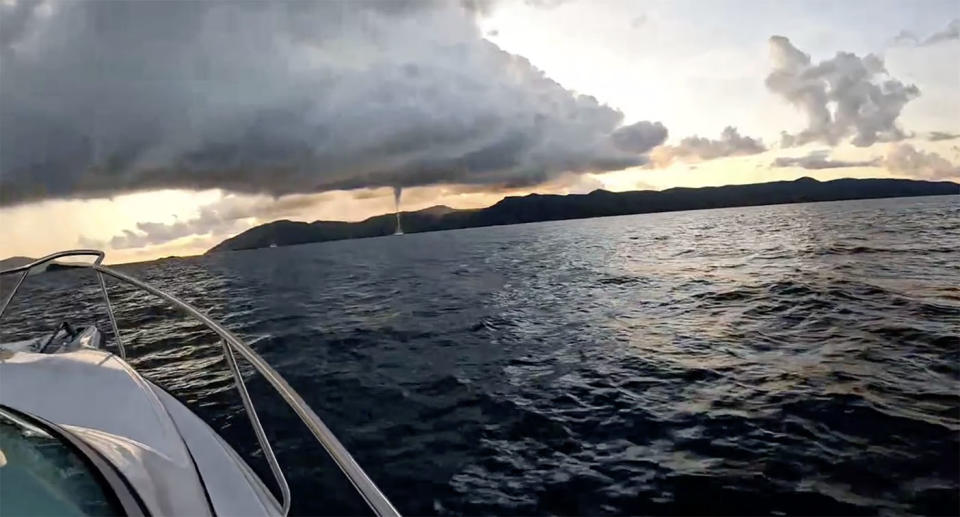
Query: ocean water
[794,359]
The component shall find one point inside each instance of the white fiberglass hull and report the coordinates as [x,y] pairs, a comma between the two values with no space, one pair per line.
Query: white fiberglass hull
[173,460]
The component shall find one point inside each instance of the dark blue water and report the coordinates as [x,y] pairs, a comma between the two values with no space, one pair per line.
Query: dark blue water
[799,359]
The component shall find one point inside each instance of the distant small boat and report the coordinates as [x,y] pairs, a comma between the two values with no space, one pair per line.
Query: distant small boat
[273,245]
[71,411]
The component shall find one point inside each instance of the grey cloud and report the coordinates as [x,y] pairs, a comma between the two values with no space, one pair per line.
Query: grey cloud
[87,243]
[16,20]
[99,98]
[937,136]
[905,36]
[482,7]
[546,4]
[843,96]
[367,193]
[950,32]
[640,137]
[900,158]
[820,159]
[905,159]
[485,7]
[152,234]
[695,148]
[220,218]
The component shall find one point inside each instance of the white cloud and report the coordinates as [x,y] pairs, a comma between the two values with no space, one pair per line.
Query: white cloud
[843,96]
[917,163]
[695,148]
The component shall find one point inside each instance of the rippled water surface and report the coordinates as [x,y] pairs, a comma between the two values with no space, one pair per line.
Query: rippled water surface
[799,359]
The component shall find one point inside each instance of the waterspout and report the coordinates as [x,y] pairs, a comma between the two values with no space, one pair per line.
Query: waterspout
[396,198]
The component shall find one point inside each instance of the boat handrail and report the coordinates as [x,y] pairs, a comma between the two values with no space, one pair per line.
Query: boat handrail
[369,491]
[69,253]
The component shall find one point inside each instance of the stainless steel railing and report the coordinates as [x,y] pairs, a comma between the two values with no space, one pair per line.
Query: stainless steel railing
[374,498]
[26,269]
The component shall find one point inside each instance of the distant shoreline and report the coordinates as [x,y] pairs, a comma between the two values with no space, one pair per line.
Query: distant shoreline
[599,203]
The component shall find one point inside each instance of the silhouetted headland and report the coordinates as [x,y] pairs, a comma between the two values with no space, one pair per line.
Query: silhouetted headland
[599,203]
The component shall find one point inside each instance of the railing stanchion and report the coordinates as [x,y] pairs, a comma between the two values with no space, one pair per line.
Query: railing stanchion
[113,318]
[16,287]
[257,427]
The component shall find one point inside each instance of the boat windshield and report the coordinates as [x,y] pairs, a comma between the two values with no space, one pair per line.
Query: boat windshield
[42,474]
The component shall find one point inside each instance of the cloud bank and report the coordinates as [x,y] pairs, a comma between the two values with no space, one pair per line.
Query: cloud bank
[938,136]
[223,217]
[906,159]
[695,148]
[820,159]
[950,32]
[101,97]
[901,159]
[843,96]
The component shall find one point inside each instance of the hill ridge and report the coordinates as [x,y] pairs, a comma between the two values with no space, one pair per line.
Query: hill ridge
[599,203]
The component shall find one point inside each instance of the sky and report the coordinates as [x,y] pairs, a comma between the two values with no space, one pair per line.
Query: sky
[155,128]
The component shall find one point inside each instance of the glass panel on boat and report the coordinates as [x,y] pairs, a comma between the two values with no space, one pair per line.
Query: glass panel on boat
[40,474]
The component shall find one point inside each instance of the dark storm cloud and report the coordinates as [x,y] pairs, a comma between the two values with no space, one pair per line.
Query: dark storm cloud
[695,148]
[640,137]
[99,98]
[820,159]
[843,96]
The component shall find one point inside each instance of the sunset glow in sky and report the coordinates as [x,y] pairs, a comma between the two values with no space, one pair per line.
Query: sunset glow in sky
[160,128]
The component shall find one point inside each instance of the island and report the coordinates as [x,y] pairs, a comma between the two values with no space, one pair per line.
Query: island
[599,203]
